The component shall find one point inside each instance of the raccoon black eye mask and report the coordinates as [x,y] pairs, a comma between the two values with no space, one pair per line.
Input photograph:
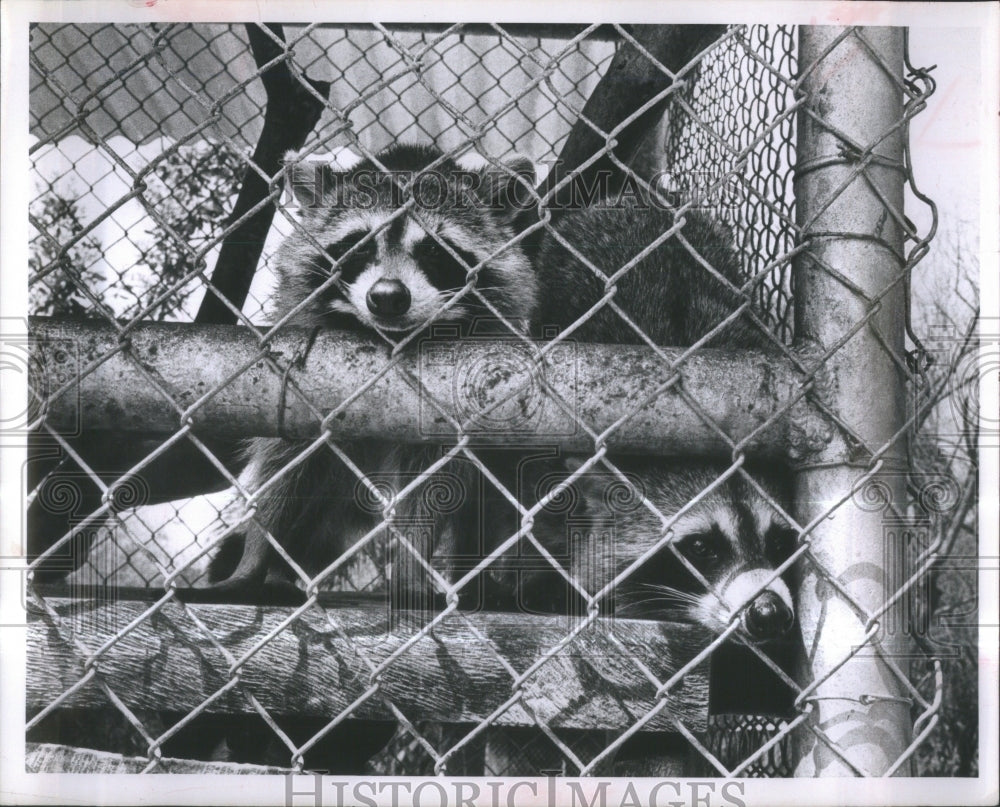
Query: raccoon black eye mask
[720,558]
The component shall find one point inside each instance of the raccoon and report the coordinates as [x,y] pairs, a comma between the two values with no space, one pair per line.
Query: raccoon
[356,261]
[731,537]
[398,280]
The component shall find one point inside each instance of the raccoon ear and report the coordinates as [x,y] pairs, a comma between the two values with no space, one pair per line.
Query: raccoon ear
[312,183]
[507,190]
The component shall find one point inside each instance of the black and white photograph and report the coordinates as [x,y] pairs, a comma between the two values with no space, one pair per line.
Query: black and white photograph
[407,405]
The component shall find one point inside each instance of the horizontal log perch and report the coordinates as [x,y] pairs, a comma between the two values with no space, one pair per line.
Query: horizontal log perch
[85,381]
[54,758]
[310,668]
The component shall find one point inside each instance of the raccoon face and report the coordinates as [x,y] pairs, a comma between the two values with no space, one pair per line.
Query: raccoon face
[392,248]
[736,550]
[731,539]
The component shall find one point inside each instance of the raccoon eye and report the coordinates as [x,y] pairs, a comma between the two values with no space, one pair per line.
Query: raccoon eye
[442,270]
[432,250]
[779,543]
[338,249]
[700,547]
[349,267]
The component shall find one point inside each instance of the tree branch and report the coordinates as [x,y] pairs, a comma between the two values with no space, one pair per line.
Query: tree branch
[631,81]
[292,112]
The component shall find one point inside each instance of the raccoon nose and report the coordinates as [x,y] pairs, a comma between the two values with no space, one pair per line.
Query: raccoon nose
[388,298]
[767,617]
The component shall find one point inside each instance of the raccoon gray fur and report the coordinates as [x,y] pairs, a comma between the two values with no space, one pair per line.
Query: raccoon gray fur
[732,536]
[394,282]
[669,293]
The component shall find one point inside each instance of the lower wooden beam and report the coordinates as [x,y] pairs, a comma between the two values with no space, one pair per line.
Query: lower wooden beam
[55,758]
[314,666]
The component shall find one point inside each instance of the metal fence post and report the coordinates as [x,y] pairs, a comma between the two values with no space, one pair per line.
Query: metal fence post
[849,195]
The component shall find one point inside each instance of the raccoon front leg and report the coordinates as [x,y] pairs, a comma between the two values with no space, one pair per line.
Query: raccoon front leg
[311,510]
[439,518]
[250,545]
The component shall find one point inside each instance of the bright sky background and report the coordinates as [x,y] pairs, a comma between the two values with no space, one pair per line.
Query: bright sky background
[946,142]
[946,137]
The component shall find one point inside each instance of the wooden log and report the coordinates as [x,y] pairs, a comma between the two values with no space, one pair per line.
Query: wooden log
[92,384]
[310,669]
[54,758]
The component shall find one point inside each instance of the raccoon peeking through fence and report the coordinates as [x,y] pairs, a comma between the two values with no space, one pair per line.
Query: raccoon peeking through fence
[607,530]
[390,245]
[727,540]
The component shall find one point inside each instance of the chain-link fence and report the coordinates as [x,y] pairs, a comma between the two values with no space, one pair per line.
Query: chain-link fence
[417,634]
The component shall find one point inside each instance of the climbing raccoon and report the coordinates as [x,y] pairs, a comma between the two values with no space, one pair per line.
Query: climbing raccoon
[370,255]
[727,540]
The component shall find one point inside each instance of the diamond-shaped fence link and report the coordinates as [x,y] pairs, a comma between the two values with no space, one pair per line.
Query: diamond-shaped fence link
[148,141]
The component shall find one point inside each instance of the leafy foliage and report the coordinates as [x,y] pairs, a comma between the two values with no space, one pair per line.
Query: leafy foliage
[59,293]
[189,197]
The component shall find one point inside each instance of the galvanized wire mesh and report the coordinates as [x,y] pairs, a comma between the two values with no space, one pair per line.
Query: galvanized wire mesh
[136,126]
[744,153]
